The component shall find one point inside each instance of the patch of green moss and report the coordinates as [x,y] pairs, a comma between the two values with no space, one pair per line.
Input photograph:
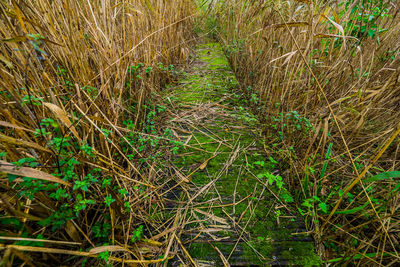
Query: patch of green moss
[298,253]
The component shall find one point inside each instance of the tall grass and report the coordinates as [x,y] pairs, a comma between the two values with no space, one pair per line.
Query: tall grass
[78,160]
[325,77]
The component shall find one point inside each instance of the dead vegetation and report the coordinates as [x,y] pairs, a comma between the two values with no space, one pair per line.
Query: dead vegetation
[326,74]
[76,114]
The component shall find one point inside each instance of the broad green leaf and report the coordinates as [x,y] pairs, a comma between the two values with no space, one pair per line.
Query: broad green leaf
[352,210]
[382,176]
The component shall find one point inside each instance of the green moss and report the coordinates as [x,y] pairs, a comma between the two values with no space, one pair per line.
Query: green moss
[299,253]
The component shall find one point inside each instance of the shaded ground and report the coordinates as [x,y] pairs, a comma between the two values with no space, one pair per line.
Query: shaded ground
[232,214]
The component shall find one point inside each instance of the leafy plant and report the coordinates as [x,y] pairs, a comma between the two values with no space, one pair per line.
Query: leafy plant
[137,234]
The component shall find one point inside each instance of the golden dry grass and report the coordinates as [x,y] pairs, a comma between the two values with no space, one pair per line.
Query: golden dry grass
[306,56]
[64,69]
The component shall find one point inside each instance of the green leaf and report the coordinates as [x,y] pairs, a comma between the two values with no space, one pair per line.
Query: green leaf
[260,175]
[108,200]
[327,157]
[279,184]
[287,197]
[352,210]
[371,33]
[272,160]
[11,177]
[260,163]
[307,203]
[382,176]
[15,39]
[122,192]
[397,187]
[323,207]
[316,198]
[271,178]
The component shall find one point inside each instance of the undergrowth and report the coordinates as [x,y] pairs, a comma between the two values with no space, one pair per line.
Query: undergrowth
[82,150]
[322,76]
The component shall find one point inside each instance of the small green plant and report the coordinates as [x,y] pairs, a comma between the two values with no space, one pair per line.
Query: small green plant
[310,203]
[37,101]
[3,154]
[81,203]
[91,91]
[137,234]
[134,69]
[104,256]
[365,17]
[245,115]
[176,146]
[101,231]
[149,71]
[109,200]
[272,179]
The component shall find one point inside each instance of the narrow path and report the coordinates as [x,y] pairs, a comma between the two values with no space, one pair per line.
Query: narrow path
[233,214]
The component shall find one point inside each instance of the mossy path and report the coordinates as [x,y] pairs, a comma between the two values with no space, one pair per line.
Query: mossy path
[232,215]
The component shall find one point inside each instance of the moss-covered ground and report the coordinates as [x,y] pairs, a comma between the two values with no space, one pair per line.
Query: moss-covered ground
[235,215]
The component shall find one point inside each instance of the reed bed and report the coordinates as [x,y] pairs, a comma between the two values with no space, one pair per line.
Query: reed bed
[324,77]
[80,176]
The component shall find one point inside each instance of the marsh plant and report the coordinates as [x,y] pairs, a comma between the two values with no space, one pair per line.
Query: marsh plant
[324,75]
[78,142]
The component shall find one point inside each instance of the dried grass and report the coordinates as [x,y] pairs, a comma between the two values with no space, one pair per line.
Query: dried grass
[68,61]
[285,52]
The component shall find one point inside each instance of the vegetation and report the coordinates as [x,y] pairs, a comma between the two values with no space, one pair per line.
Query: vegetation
[77,104]
[93,172]
[324,76]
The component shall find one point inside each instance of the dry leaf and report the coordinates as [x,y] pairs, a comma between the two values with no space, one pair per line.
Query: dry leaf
[19,15]
[322,15]
[289,55]
[62,115]
[339,27]
[29,172]
[204,164]
[325,35]
[212,216]
[224,260]
[163,233]
[335,15]
[291,24]
[18,142]
[153,243]
[182,177]
[304,1]
[6,61]
[98,250]
[17,238]
[15,39]
[72,231]
[17,213]
[7,124]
